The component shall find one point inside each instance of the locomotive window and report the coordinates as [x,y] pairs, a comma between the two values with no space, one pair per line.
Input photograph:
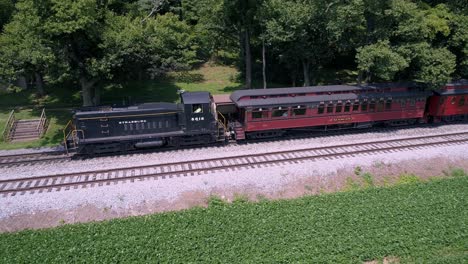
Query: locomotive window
[372,106]
[453,100]
[299,110]
[167,123]
[280,112]
[356,106]
[160,124]
[462,101]
[380,105]
[339,107]
[125,127]
[364,106]
[388,104]
[330,108]
[148,125]
[154,124]
[197,109]
[130,126]
[347,107]
[321,107]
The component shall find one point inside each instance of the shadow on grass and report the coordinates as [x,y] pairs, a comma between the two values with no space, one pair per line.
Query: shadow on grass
[134,92]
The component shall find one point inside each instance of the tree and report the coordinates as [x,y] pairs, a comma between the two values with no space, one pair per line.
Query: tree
[6,10]
[24,50]
[312,32]
[380,60]
[240,17]
[413,46]
[458,43]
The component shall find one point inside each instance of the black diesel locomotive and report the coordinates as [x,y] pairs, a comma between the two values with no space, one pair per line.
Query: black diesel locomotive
[101,130]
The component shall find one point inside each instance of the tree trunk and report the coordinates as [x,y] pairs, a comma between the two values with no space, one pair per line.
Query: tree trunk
[22,82]
[97,95]
[248,61]
[293,78]
[264,64]
[87,91]
[39,84]
[306,68]
[359,78]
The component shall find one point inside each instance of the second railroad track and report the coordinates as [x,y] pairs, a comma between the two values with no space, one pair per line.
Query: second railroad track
[194,167]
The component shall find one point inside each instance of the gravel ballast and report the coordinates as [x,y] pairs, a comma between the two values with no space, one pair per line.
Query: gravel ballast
[126,198]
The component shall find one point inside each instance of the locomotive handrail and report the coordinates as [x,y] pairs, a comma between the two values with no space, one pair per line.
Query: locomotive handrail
[9,126]
[71,128]
[224,123]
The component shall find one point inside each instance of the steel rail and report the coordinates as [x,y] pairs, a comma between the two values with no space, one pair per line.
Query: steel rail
[223,163]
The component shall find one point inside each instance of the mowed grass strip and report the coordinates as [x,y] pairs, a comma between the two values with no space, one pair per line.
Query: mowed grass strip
[419,222]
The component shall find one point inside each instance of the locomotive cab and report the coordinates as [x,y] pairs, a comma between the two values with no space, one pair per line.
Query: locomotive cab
[198,111]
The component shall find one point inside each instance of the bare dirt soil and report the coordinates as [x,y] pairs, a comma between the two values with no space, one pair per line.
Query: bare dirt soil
[345,179]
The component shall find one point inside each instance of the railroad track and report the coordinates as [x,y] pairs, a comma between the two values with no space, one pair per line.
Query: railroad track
[195,167]
[29,158]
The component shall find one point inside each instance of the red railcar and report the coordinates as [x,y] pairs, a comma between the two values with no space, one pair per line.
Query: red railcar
[265,113]
[449,103]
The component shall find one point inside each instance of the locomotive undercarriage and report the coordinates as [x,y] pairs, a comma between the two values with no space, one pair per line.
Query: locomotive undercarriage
[127,146]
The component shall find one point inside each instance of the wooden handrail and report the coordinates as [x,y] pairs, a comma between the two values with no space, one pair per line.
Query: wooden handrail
[9,126]
[42,123]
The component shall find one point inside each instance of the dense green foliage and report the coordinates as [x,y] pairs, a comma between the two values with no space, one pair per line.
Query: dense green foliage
[413,222]
[90,44]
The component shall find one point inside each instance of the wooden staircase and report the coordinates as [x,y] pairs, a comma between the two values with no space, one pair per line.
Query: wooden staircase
[24,130]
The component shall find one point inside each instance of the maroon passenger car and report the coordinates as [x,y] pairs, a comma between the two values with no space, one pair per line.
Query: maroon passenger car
[271,112]
[450,103]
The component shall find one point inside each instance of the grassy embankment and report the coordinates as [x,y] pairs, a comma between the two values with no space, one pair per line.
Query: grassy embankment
[59,101]
[411,222]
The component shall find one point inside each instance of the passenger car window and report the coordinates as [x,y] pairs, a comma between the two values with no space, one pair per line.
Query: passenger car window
[339,107]
[299,110]
[372,106]
[364,106]
[280,112]
[347,107]
[356,106]
[330,108]
[462,101]
[321,108]
[259,113]
[380,105]
[388,104]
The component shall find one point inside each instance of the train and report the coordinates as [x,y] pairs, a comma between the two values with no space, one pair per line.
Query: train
[201,118]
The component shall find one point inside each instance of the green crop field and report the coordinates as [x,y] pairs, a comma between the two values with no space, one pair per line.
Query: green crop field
[415,222]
